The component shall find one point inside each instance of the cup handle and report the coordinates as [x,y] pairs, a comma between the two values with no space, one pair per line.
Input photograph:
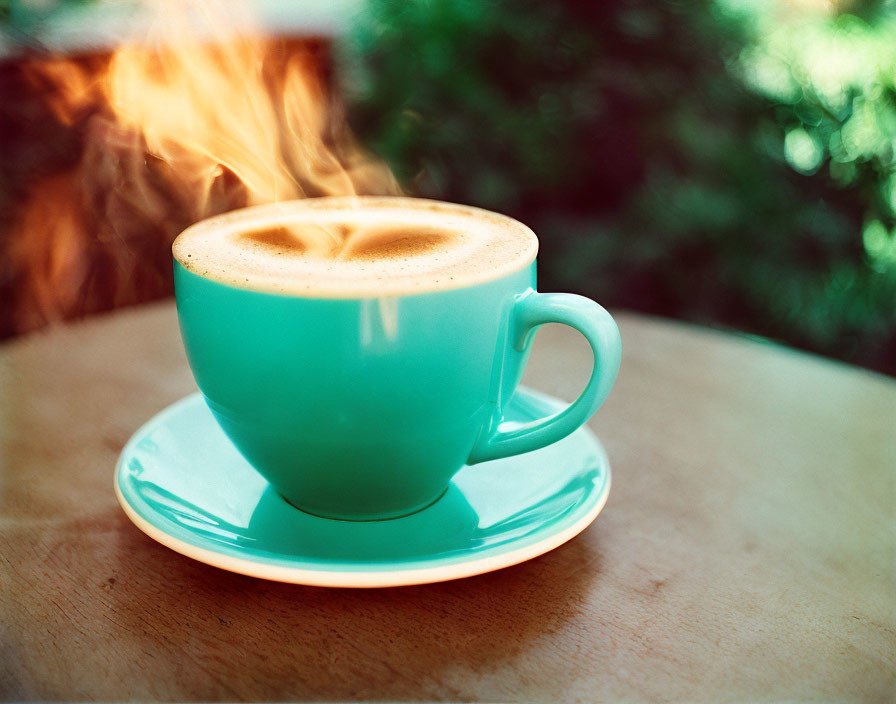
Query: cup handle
[501,438]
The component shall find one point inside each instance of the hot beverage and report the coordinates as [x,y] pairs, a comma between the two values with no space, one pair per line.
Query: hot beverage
[344,247]
[359,351]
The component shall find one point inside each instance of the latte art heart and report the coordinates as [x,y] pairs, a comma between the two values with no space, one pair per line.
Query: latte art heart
[360,246]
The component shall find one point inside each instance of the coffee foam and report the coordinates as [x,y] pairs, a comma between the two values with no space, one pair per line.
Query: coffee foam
[356,247]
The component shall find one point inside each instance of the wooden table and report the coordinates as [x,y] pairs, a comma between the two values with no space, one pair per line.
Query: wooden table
[747,551]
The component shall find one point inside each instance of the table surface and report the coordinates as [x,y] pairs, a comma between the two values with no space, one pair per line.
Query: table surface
[747,552]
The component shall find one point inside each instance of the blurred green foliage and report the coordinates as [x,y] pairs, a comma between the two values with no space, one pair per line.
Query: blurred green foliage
[730,163]
[22,16]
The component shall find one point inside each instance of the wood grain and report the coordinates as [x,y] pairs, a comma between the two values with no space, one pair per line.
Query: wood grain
[747,552]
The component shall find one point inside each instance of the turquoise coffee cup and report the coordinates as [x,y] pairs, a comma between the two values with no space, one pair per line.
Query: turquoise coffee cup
[365,408]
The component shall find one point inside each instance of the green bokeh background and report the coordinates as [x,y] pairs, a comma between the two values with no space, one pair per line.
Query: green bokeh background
[729,163]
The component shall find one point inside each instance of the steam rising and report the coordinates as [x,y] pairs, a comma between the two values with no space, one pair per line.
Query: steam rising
[197,119]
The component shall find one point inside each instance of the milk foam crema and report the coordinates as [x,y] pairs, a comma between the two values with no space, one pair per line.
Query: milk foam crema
[362,246]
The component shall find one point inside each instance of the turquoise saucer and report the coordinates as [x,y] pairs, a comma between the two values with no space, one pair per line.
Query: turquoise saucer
[181,481]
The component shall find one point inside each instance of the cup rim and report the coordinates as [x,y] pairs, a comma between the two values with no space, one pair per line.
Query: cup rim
[273,214]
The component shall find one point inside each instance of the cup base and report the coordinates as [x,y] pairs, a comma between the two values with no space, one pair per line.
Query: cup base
[364,518]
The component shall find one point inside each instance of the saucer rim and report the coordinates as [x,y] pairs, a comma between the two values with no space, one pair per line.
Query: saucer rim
[394,576]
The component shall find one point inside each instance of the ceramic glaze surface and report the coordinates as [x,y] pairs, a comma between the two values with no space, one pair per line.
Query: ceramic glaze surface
[365,408]
[182,481]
